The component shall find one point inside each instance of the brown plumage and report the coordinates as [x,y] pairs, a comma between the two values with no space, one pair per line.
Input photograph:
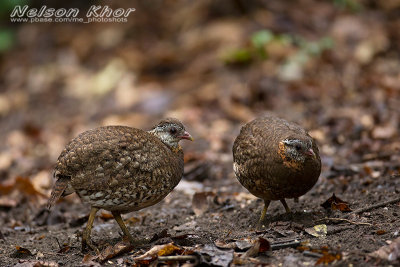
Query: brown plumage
[121,169]
[275,159]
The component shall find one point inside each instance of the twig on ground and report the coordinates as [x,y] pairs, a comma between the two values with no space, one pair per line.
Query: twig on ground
[51,253]
[287,244]
[58,243]
[344,220]
[378,205]
[178,258]
[312,254]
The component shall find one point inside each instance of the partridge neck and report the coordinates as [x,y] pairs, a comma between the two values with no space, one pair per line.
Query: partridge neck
[166,139]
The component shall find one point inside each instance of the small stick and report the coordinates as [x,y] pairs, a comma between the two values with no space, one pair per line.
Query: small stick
[343,220]
[312,254]
[178,258]
[51,253]
[378,205]
[288,244]
[58,243]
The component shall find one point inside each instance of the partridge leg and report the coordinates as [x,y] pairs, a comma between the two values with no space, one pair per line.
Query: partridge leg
[86,234]
[266,204]
[283,201]
[118,218]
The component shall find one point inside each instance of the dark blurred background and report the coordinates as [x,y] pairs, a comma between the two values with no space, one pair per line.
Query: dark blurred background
[331,66]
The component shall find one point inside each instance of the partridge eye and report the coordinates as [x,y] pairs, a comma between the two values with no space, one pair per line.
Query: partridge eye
[172,130]
[298,147]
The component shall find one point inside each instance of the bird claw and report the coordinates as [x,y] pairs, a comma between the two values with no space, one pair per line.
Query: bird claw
[262,224]
[88,243]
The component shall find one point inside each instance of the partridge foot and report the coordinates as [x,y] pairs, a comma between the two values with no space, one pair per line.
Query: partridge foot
[88,243]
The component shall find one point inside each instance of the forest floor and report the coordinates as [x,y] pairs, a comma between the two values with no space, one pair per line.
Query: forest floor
[223,232]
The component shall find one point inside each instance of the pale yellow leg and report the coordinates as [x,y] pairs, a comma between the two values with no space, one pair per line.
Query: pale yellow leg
[118,218]
[266,204]
[86,241]
[283,201]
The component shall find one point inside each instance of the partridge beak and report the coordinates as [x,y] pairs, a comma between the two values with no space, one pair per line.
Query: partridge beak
[186,136]
[311,153]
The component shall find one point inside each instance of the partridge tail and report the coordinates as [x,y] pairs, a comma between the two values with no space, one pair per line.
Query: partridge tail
[58,189]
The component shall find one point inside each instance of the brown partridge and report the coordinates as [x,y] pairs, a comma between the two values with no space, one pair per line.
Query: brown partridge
[275,159]
[120,169]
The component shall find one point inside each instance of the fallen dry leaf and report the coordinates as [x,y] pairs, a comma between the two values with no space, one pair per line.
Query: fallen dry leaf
[5,189]
[21,250]
[328,258]
[64,249]
[39,237]
[384,132]
[87,261]
[336,203]
[8,202]
[389,252]
[36,263]
[168,250]
[109,252]
[132,220]
[303,248]
[159,250]
[23,185]
[320,230]
[106,215]
[237,245]
[42,181]
[264,245]
[215,256]
[242,245]
[243,196]
[260,245]
[381,232]
[225,245]
[341,206]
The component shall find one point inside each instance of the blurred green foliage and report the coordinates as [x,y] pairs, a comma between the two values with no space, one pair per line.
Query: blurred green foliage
[292,68]
[258,48]
[7,34]
[351,5]
[6,39]
[238,56]
[8,5]
[260,39]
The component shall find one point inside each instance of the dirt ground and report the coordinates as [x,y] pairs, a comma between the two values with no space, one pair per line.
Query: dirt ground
[330,66]
[224,221]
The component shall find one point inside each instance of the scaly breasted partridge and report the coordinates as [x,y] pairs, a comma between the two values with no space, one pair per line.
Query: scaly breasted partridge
[120,169]
[275,159]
